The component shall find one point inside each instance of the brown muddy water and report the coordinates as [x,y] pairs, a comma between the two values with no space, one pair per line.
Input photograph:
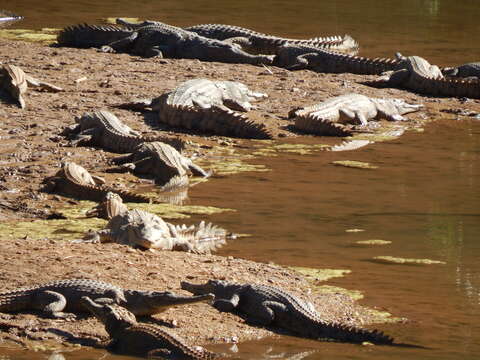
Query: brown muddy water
[423,197]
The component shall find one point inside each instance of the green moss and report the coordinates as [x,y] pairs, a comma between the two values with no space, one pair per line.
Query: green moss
[328,289]
[44,35]
[354,164]
[405,261]
[320,274]
[65,229]
[354,230]
[373,242]
[383,317]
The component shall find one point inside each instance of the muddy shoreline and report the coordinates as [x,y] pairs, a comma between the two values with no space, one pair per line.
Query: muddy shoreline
[32,149]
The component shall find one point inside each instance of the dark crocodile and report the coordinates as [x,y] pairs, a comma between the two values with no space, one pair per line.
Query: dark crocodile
[55,297]
[74,180]
[418,75]
[161,161]
[129,337]
[267,305]
[103,129]
[7,18]
[145,230]
[157,40]
[259,43]
[297,57]
[334,116]
[211,106]
[464,71]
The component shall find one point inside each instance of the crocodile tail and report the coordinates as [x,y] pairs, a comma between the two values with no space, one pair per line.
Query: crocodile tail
[220,121]
[175,142]
[353,334]
[85,36]
[318,126]
[452,87]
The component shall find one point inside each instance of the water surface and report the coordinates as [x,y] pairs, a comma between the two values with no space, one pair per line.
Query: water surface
[423,197]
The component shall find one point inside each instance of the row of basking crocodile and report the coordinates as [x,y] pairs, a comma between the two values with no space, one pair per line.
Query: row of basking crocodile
[214,107]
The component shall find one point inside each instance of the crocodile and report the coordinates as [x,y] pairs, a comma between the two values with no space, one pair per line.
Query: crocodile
[103,129]
[157,40]
[14,81]
[127,336]
[333,116]
[7,18]
[60,298]
[212,107]
[298,57]
[259,43]
[418,75]
[466,70]
[161,161]
[74,180]
[145,230]
[270,306]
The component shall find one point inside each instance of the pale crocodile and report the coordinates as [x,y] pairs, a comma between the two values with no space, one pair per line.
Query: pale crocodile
[259,43]
[333,116]
[103,129]
[161,161]
[267,305]
[60,298]
[157,40]
[145,230]
[14,81]
[7,18]
[418,75]
[129,337]
[211,106]
[74,180]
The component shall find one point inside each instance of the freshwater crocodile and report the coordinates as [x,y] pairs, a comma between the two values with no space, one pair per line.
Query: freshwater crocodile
[162,162]
[132,338]
[14,80]
[7,18]
[105,130]
[55,297]
[297,57]
[466,70]
[211,106]
[332,116]
[418,75]
[267,305]
[74,180]
[145,230]
[259,43]
[157,40]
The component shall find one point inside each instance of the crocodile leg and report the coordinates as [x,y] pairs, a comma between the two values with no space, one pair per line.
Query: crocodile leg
[198,171]
[227,305]
[52,304]
[122,45]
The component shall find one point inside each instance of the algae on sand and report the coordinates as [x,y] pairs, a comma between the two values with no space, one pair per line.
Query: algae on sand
[46,35]
[320,274]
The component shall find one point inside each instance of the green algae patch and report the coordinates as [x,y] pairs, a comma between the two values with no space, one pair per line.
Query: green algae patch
[235,166]
[405,261]
[113,20]
[354,164]
[320,274]
[383,317]
[46,35]
[169,211]
[329,289]
[354,230]
[373,242]
[63,229]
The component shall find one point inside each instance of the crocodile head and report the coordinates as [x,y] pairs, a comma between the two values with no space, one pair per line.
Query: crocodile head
[393,109]
[109,314]
[147,230]
[220,288]
[144,302]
